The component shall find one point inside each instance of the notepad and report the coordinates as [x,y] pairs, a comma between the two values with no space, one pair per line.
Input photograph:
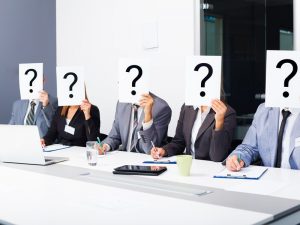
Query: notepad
[251,172]
[55,147]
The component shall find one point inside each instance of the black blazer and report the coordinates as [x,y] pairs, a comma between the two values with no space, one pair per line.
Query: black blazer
[210,144]
[85,130]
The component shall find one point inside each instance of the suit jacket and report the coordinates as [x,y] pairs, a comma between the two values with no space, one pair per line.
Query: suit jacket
[210,144]
[85,130]
[161,113]
[261,139]
[42,117]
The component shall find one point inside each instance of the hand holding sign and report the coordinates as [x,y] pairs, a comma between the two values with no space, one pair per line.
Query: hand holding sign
[282,81]
[133,79]
[70,85]
[30,80]
[203,80]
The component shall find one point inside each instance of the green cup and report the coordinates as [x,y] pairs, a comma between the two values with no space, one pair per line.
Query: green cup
[184,163]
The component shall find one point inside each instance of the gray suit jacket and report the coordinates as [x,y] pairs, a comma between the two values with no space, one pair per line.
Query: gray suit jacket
[210,144]
[42,118]
[261,139]
[161,113]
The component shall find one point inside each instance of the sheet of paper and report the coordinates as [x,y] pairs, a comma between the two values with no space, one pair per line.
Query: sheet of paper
[150,35]
[30,80]
[70,85]
[55,147]
[133,79]
[203,80]
[246,173]
[283,79]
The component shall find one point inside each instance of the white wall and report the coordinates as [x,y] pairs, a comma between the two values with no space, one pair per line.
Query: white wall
[96,33]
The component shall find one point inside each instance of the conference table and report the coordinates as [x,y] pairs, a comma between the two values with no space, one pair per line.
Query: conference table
[73,192]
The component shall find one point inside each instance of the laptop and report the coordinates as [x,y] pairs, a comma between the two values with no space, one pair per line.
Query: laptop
[21,144]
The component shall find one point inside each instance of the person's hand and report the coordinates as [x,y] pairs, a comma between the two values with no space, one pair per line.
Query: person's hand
[157,153]
[102,149]
[146,102]
[233,163]
[86,108]
[43,143]
[220,109]
[44,98]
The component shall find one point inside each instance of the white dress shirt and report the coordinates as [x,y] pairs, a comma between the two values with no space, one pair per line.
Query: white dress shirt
[197,124]
[29,107]
[287,136]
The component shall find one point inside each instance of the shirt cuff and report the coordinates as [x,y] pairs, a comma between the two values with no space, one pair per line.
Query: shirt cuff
[147,125]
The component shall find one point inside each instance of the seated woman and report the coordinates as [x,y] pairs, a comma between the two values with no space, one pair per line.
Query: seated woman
[74,125]
[205,132]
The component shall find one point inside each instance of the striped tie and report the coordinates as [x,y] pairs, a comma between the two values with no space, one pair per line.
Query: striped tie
[135,124]
[30,116]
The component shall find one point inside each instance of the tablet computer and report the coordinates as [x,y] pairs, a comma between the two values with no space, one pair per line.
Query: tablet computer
[140,170]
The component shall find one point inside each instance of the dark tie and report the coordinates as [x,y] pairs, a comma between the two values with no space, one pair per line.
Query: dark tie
[30,116]
[134,126]
[285,115]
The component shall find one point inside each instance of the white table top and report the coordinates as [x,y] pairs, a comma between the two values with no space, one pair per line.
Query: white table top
[34,198]
[275,182]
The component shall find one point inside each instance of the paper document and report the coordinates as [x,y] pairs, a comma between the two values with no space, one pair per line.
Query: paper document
[251,172]
[55,147]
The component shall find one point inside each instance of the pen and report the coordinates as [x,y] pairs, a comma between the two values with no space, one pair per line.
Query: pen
[155,150]
[239,158]
[99,142]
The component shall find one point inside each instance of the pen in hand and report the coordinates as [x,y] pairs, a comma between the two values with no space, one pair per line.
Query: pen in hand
[155,151]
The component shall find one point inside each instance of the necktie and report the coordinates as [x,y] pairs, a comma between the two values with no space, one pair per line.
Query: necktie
[285,115]
[30,116]
[134,126]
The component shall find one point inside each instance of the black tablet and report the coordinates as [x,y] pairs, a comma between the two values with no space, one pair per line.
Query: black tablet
[140,170]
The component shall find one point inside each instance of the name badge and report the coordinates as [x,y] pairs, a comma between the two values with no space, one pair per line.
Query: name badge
[297,142]
[69,129]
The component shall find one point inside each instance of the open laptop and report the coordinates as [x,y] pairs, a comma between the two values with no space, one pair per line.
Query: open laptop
[21,144]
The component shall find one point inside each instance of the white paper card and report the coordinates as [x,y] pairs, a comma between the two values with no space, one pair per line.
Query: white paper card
[69,129]
[70,85]
[150,35]
[203,80]
[133,79]
[283,79]
[30,80]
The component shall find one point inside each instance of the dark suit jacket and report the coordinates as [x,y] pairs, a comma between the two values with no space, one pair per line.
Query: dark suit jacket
[85,130]
[42,117]
[157,133]
[210,144]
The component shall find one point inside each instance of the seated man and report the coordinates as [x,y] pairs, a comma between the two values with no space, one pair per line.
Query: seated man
[135,126]
[34,112]
[273,136]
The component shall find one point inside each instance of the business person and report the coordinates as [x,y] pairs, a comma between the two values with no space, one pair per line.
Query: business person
[205,132]
[74,125]
[274,137]
[135,126]
[35,112]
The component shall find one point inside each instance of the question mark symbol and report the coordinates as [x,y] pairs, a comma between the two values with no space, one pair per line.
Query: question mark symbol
[34,77]
[140,72]
[73,83]
[209,74]
[289,77]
